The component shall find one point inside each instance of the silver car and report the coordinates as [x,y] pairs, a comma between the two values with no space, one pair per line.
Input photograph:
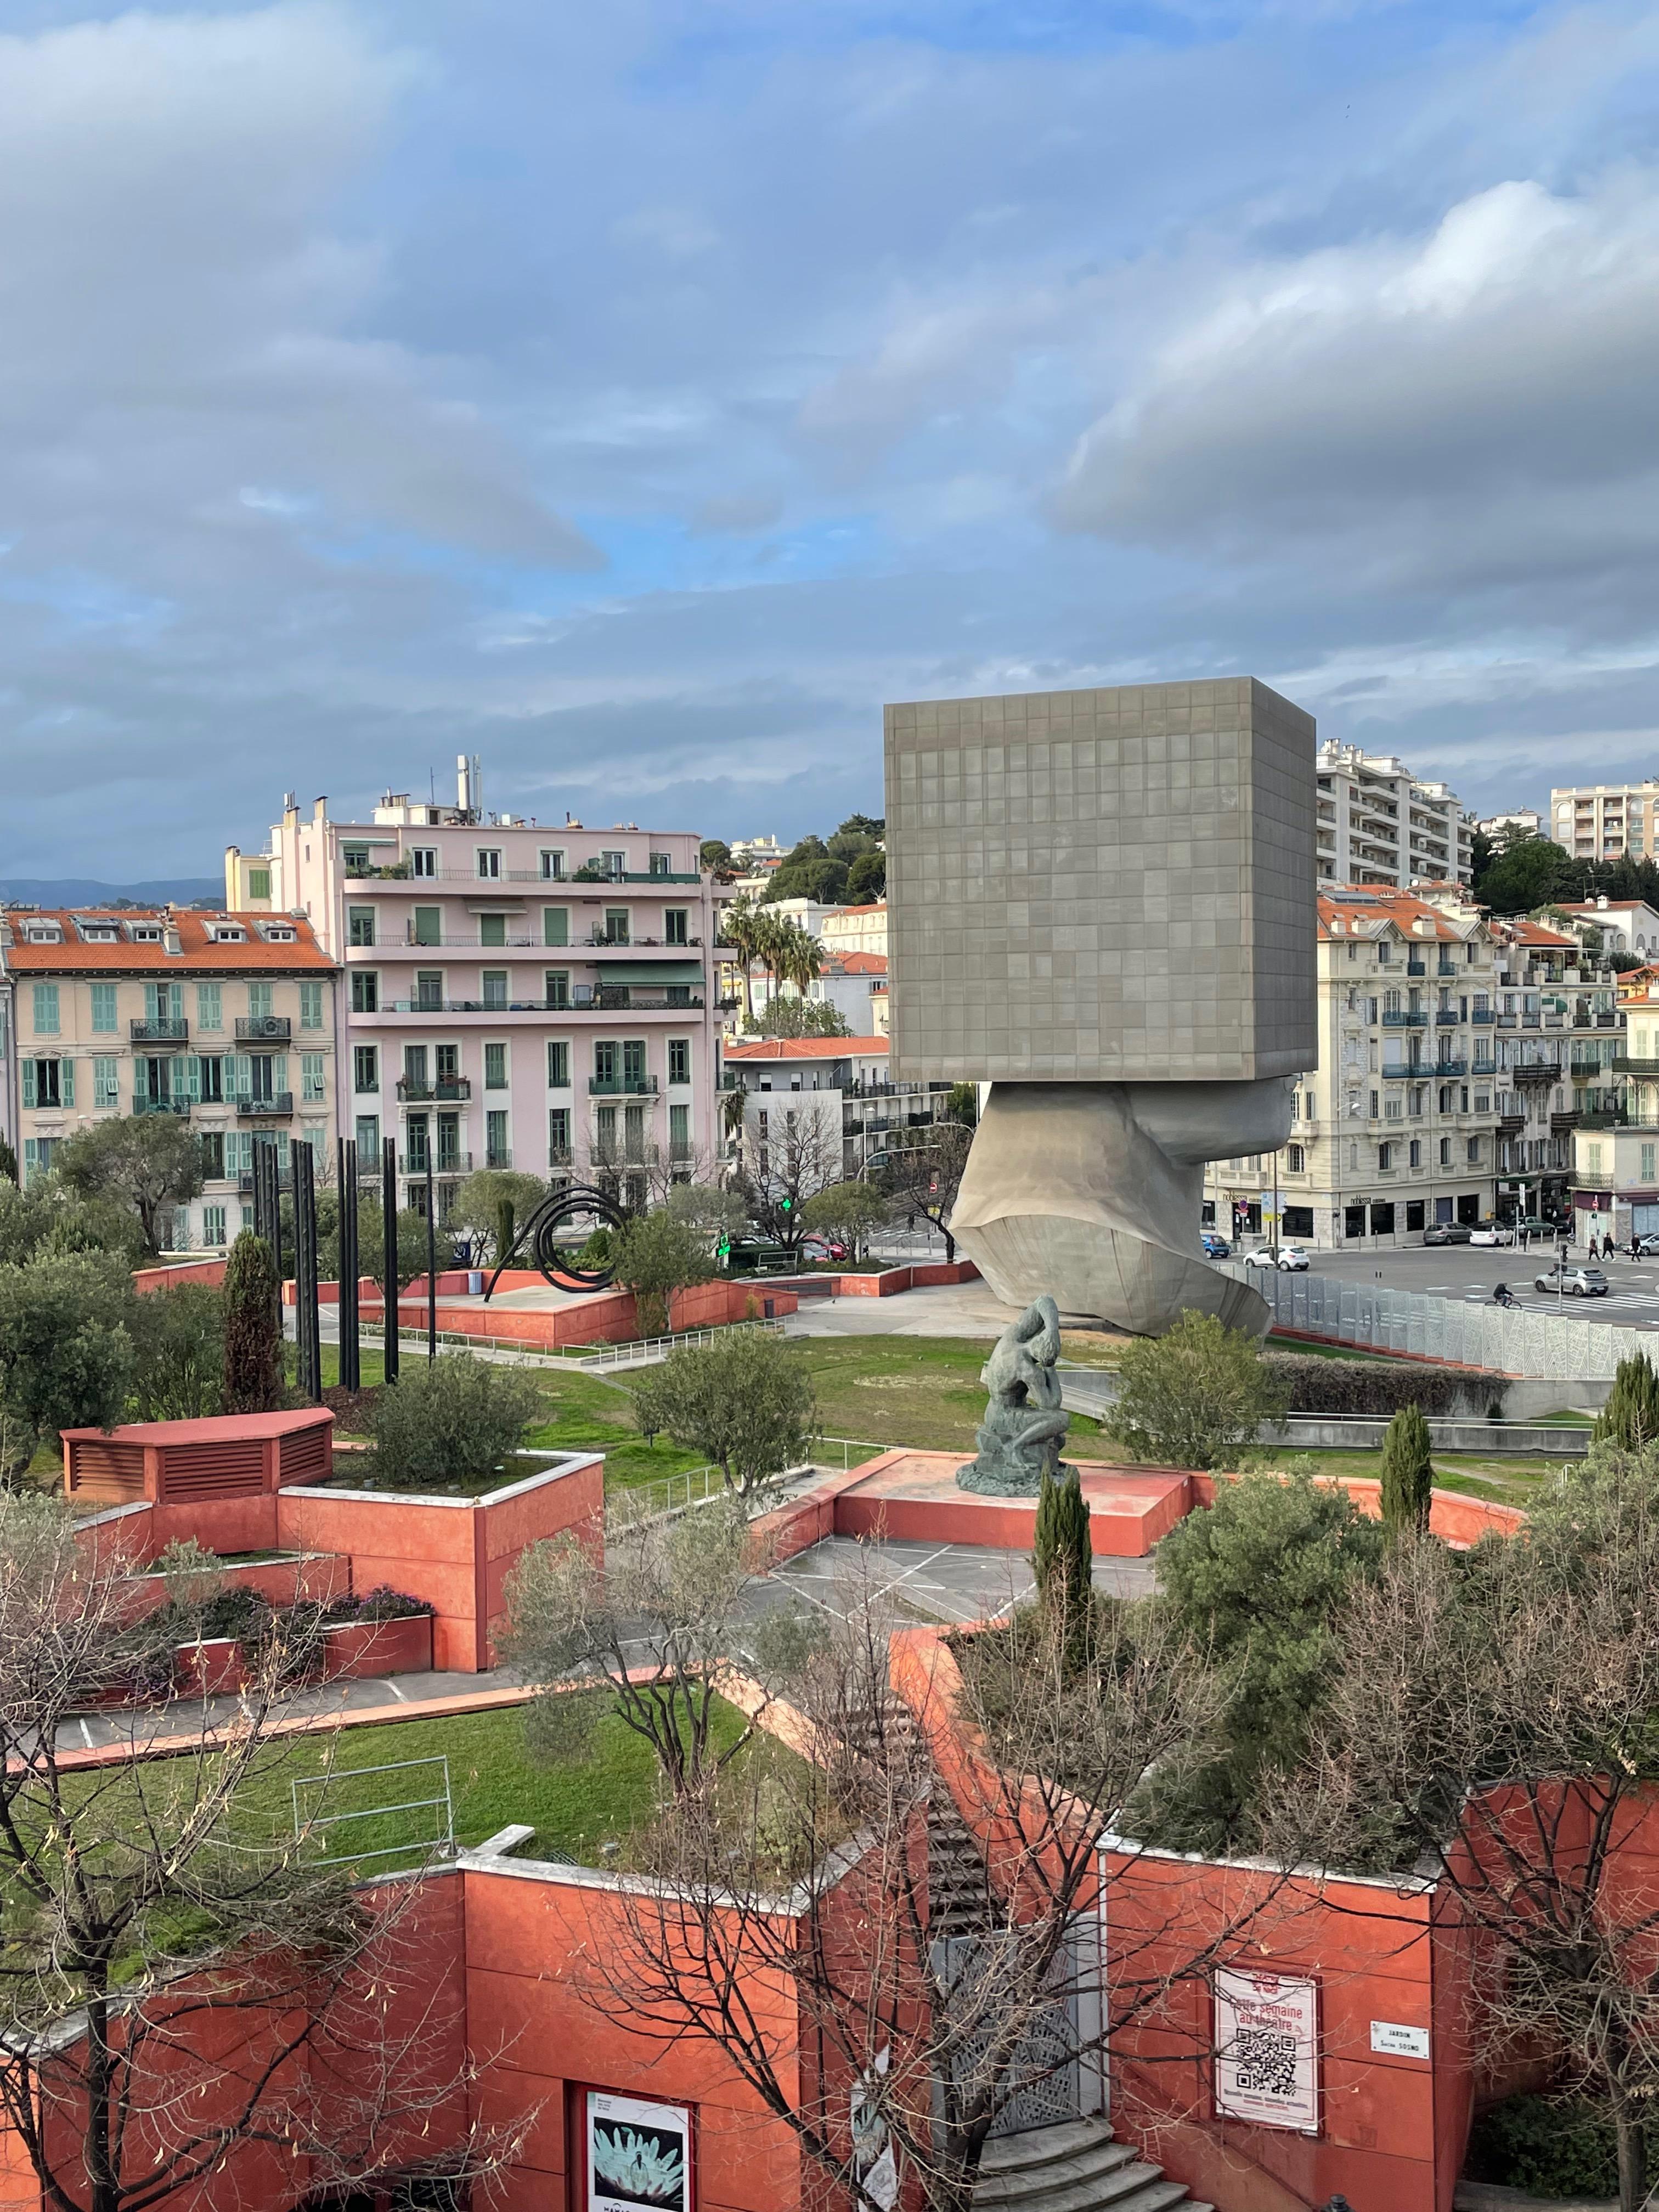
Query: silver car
[1574,1282]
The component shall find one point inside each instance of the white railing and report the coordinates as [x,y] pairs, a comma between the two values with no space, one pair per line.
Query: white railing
[644,1350]
[669,1493]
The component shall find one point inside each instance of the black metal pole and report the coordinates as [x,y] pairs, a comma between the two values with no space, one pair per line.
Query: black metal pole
[350,1360]
[389,1228]
[305,1271]
[431,1263]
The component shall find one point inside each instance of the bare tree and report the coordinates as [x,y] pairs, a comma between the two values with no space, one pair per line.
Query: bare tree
[923,1173]
[792,1151]
[940,1945]
[183,1988]
[1493,1724]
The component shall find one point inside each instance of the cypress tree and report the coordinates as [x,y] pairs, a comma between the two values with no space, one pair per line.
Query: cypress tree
[1407,1473]
[1630,1417]
[254,1381]
[1062,1559]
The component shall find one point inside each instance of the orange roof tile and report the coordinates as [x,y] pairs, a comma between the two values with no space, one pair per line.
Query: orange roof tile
[858,963]
[807,1048]
[197,951]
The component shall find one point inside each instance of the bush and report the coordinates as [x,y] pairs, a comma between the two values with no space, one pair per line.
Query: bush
[1630,1417]
[744,1401]
[1062,1560]
[179,1342]
[65,1350]
[254,1380]
[1548,2145]
[383,1603]
[1194,1397]
[656,1254]
[1378,1388]
[1407,1475]
[455,1416]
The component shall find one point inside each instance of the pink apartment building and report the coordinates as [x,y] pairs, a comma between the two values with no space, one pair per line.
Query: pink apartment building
[515,994]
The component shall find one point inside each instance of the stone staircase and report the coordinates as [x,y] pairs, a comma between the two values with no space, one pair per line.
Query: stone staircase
[958,1888]
[1074,2166]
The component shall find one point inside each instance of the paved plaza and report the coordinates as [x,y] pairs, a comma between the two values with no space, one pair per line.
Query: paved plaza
[1472,1272]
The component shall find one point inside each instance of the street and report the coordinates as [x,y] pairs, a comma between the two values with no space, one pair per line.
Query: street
[1474,1270]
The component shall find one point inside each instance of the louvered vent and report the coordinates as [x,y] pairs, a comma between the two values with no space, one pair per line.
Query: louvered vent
[101,1467]
[304,1454]
[192,1474]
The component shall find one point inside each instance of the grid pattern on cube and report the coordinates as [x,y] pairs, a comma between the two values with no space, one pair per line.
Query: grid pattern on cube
[1107,885]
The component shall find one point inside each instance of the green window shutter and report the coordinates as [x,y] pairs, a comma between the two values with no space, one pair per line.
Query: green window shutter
[558,1065]
[106,1080]
[46,1010]
[31,1160]
[238,1075]
[209,1007]
[175,1002]
[311,1005]
[311,1075]
[556,925]
[187,1076]
[66,1081]
[29,1086]
[279,1072]
[103,1008]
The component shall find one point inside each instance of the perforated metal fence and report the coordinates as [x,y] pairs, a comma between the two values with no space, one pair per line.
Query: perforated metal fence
[1551,1346]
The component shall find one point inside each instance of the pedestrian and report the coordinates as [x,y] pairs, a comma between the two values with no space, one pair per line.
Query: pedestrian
[1524,1236]
[1635,1247]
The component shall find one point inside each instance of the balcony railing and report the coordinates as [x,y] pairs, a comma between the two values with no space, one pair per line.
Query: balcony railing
[1458,1066]
[622,1087]
[168,1032]
[279,1106]
[450,1091]
[499,1156]
[264,1029]
[179,1106]
[443,1164]
[561,1156]
[1405,1021]
[364,872]
[1624,1063]
[583,999]
[1536,1071]
[1417,967]
[475,944]
[1483,1014]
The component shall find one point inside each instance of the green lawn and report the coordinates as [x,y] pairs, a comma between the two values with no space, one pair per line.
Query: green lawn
[1505,1481]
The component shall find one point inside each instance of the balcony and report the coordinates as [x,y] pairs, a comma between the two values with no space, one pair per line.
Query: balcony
[364,872]
[1624,1064]
[499,1156]
[1536,1071]
[1577,1181]
[279,1106]
[584,999]
[449,1091]
[622,1087]
[1483,1014]
[1443,1067]
[168,1032]
[1446,1017]
[1417,967]
[264,1029]
[1589,1071]
[1407,1021]
[561,1156]
[179,1106]
[448,942]
[446,1163]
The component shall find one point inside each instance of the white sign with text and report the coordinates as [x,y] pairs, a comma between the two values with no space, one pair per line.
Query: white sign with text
[1266,2048]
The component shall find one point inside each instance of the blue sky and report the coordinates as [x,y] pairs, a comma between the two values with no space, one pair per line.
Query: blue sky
[639,395]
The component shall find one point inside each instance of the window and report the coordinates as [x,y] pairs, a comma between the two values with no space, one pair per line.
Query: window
[37,1157]
[489,865]
[676,926]
[557,987]
[1376,1104]
[360,920]
[314,1082]
[259,998]
[680,1060]
[416,1137]
[605,1063]
[1294,1157]
[107,1081]
[679,1132]
[634,1064]
[46,1010]
[446,1058]
[48,1083]
[258,883]
[429,991]
[496,1153]
[661,864]
[213,1224]
[494,988]
[1593,1153]
[614,863]
[1445,1152]
[366,1067]
[209,1080]
[311,1005]
[212,1143]
[365,991]
[1474,1151]
[1381,1218]
[556,925]
[558,1136]
[678,994]
[368,1140]
[416,1077]
[1647,1163]
[558,1064]
[354,859]
[103,1010]
[423,861]
[492,929]
[428,925]
[605,1134]
[1417,1153]
[616,925]
[552,866]
[1385,1156]
[494,1068]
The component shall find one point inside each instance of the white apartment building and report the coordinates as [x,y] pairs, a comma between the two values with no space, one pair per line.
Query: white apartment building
[1378,823]
[840,1085]
[855,928]
[1622,924]
[516,995]
[1521,822]
[1605,821]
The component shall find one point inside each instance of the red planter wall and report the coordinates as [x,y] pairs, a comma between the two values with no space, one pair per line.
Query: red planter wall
[359,1649]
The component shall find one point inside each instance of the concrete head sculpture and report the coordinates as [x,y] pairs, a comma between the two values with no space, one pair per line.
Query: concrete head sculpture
[1103,902]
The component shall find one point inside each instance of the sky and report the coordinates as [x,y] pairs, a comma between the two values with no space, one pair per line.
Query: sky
[637,395]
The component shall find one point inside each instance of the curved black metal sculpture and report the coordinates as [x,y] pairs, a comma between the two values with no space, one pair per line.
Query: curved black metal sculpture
[539,1235]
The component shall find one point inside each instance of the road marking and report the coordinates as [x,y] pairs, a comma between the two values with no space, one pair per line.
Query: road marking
[395,1691]
[85,1736]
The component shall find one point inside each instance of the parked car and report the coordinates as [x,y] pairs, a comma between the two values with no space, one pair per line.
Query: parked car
[822,1248]
[1448,1232]
[1575,1282]
[1215,1248]
[1492,1232]
[1647,1248]
[1290,1259]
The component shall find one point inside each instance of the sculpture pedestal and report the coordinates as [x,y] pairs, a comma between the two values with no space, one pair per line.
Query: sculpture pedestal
[1091,1192]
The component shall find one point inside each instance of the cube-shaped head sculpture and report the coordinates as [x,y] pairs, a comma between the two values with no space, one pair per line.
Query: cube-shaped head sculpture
[1110,886]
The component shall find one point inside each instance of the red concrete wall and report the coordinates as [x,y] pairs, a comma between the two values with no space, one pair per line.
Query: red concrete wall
[606,1317]
[892,1282]
[211,1271]
[319,1577]
[1456,1520]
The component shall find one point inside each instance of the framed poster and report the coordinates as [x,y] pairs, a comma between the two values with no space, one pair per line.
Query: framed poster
[1266,2048]
[638,2154]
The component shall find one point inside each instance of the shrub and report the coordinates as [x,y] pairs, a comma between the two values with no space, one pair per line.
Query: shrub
[65,1350]
[179,1342]
[191,1575]
[1630,1417]
[1379,1388]
[253,1343]
[656,1254]
[384,1603]
[1548,2145]
[1062,1560]
[1192,1398]
[455,1416]
[744,1401]
[1407,1473]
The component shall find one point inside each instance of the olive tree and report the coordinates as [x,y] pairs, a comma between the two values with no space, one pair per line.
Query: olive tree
[745,1402]
[150,1163]
[66,1349]
[1194,1396]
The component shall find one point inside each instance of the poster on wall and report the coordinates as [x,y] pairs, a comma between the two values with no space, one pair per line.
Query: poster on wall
[639,2155]
[1267,2050]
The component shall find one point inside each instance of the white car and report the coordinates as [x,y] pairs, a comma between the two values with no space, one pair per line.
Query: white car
[1291,1259]
[1492,1232]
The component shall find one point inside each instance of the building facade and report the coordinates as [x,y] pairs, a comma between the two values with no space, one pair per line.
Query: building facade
[1520,822]
[855,928]
[514,996]
[228,1021]
[1613,924]
[842,1086]
[1379,823]
[1604,821]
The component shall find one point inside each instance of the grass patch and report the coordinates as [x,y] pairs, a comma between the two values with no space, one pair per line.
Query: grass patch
[1276,1342]
[1504,1481]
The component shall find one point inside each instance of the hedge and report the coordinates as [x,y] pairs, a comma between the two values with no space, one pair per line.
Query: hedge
[1380,1388]
[1547,2146]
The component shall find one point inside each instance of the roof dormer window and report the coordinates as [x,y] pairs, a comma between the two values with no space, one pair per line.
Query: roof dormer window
[224,935]
[146,932]
[42,933]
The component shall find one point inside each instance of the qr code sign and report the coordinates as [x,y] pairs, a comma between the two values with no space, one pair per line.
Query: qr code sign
[1265,2063]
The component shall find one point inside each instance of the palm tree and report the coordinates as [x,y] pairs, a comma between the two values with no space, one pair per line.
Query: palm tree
[802,958]
[742,927]
[771,936]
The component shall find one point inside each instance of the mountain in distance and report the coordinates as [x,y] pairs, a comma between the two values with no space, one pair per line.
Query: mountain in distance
[82,890]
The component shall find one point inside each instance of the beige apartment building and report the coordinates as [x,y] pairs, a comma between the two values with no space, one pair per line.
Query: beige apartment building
[1379,823]
[1605,821]
[1457,1053]
[226,1020]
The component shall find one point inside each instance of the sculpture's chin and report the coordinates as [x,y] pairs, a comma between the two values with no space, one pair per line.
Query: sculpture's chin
[1091,1192]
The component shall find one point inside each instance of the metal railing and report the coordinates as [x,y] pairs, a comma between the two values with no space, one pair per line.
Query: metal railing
[454,1092]
[181,1106]
[443,1164]
[622,1087]
[326,1825]
[270,1028]
[173,1031]
[645,1350]
[279,1106]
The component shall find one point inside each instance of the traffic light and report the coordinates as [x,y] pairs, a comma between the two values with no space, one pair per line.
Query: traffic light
[785,1206]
